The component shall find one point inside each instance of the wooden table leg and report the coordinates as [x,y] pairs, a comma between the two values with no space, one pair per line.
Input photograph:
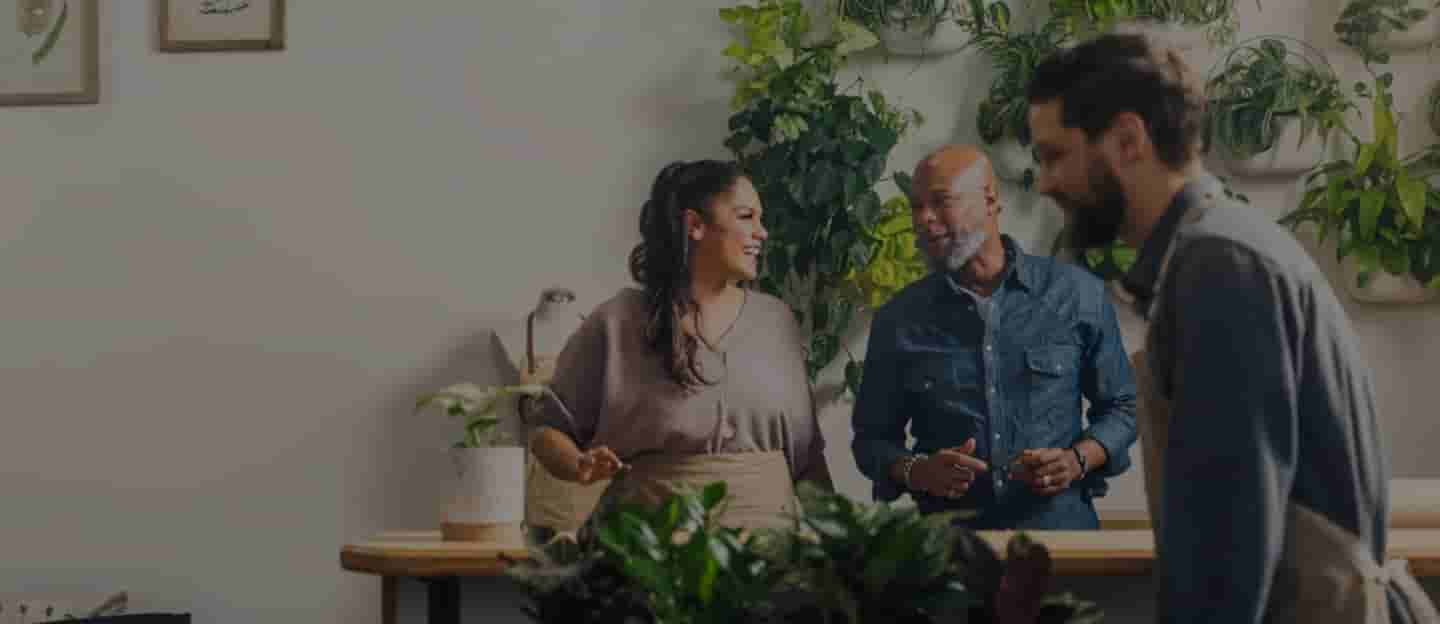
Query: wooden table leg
[389,600]
[444,600]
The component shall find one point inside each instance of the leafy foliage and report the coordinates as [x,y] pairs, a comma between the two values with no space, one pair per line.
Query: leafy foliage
[1381,207]
[815,152]
[895,260]
[1084,17]
[875,14]
[1363,23]
[1014,54]
[1262,81]
[1433,108]
[843,563]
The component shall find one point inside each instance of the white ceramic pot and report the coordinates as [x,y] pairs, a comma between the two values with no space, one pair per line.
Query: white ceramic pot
[1010,158]
[918,40]
[488,500]
[1384,287]
[1423,33]
[1288,157]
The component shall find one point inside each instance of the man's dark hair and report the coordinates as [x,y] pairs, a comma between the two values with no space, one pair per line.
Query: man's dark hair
[1102,77]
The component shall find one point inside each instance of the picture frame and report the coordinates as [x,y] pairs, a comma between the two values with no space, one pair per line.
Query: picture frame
[50,53]
[220,25]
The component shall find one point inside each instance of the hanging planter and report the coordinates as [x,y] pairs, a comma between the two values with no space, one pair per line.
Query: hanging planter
[911,27]
[1002,120]
[1383,211]
[1273,110]
[1383,287]
[1375,27]
[1421,33]
[1292,154]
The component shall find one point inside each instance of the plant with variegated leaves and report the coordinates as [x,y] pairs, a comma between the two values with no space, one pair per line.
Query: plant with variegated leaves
[477,407]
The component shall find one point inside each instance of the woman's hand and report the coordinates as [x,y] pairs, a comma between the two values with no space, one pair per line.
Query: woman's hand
[597,464]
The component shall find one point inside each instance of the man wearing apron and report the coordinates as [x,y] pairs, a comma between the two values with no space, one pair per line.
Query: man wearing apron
[1266,474]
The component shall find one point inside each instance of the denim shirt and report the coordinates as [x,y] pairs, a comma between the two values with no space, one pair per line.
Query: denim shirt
[1010,371]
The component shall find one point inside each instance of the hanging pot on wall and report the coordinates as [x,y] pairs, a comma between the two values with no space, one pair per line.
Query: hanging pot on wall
[1384,287]
[1288,157]
[488,501]
[1010,158]
[923,36]
[1423,33]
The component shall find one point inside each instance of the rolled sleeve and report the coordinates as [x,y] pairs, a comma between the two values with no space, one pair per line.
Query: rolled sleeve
[1232,438]
[574,398]
[879,429]
[1108,382]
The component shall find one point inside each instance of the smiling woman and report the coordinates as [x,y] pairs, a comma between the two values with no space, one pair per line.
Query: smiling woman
[694,377]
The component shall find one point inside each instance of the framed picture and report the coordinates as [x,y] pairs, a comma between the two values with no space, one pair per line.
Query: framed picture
[50,52]
[214,25]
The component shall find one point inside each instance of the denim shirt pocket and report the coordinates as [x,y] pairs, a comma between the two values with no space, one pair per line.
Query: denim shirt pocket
[936,398]
[1051,373]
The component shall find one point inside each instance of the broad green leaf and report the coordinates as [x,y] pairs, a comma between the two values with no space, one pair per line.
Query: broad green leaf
[1363,160]
[1371,203]
[1412,198]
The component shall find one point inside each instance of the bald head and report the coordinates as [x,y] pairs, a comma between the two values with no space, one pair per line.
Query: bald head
[958,168]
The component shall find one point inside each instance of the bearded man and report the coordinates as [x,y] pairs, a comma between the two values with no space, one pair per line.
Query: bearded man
[986,360]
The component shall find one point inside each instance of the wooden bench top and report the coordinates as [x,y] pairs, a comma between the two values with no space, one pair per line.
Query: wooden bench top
[1119,552]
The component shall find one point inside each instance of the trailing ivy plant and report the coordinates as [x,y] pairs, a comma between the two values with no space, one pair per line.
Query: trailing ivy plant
[1086,17]
[815,151]
[1380,206]
[1015,54]
[1363,23]
[1261,82]
[877,14]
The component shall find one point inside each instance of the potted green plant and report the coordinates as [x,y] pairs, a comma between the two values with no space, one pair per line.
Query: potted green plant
[488,501]
[1383,211]
[841,563]
[1083,18]
[815,151]
[1273,109]
[1373,27]
[910,27]
[1002,119]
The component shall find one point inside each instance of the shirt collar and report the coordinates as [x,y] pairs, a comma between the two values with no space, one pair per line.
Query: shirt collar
[1142,277]
[1017,272]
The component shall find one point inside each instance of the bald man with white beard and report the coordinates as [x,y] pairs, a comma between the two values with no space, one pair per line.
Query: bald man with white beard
[986,360]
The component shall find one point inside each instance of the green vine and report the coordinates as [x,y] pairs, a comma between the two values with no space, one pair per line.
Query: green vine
[815,151]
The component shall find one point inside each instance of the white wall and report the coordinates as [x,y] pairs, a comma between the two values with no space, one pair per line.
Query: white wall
[225,283]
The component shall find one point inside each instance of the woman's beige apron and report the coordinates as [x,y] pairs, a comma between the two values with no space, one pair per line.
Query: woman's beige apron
[551,502]
[760,490]
[1326,573]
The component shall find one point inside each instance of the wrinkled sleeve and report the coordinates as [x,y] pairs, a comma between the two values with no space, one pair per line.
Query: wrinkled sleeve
[576,394]
[1231,454]
[1108,382]
[879,426]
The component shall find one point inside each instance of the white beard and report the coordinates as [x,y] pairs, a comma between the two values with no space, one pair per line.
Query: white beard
[962,247]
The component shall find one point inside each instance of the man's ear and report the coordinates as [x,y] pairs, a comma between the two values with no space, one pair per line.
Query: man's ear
[1127,140]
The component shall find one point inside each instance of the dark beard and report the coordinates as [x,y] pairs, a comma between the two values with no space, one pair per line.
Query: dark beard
[1096,223]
